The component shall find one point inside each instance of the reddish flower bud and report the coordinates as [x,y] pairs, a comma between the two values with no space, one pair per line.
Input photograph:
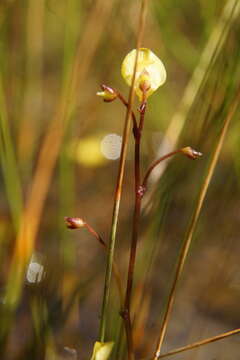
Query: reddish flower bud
[108,94]
[191,153]
[74,222]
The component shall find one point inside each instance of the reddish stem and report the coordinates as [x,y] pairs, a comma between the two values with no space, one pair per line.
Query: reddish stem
[135,232]
[96,235]
[156,163]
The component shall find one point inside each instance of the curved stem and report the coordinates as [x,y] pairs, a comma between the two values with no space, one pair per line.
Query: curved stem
[96,235]
[156,163]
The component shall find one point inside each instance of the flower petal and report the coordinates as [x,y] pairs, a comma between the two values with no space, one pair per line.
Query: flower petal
[149,68]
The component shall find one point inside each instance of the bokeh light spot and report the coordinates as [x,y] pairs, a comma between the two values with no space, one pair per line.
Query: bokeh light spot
[34,272]
[87,152]
[111,146]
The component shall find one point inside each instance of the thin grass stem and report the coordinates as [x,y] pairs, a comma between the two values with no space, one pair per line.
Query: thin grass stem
[78,223]
[118,191]
[200,343]
[9,163]
[116,271]
[124,101]
[210,53]
[193,223]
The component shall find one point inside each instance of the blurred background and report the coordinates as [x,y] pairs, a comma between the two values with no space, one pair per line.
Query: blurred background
[59,149]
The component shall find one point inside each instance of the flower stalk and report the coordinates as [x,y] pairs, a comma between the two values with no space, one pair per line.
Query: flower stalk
[118,191]
[144,72]
[126,313]
[140,189]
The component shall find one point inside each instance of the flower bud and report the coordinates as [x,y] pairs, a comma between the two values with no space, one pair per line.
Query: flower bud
[144,81]
[108,94]
[191,153]
[150,72]
[74,222]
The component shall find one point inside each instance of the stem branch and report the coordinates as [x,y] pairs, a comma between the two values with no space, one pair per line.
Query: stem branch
[156,163]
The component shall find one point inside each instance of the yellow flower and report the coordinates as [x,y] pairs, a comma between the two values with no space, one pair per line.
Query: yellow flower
[150,72]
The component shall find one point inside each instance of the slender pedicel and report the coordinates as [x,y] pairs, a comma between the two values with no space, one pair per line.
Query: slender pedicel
[77,223]
[188,151]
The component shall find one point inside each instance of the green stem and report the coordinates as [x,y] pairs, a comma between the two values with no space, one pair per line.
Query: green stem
[118,191]
[9,163]
[116,271]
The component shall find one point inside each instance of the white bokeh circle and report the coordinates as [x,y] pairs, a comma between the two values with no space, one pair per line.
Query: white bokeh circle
[111,146]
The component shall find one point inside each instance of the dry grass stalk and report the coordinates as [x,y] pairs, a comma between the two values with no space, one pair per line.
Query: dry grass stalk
[192,227]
